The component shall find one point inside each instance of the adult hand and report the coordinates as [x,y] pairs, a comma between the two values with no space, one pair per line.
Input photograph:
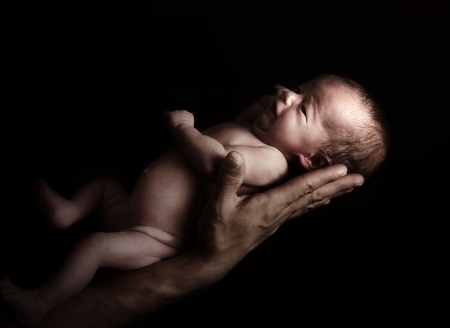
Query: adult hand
[235,225]
[229,228]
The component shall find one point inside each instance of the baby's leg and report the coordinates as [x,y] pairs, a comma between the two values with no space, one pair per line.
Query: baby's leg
[100,195]
[125,250]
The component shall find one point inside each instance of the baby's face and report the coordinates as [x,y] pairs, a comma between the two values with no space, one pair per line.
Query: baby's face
[297,121]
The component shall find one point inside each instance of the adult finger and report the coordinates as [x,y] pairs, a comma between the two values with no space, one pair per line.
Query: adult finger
[323,195]
[231,177]
[289,192]
[289,198]
[338,187]
[344,185]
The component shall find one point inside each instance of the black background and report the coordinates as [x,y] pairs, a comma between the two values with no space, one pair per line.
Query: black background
[91,80]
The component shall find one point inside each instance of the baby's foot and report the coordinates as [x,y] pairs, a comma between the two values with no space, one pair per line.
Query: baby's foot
[59,211]
[26,304]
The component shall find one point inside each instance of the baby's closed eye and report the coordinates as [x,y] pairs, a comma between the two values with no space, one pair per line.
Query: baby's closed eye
[303,109]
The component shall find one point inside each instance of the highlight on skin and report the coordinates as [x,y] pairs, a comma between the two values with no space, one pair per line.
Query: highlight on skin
[365,147]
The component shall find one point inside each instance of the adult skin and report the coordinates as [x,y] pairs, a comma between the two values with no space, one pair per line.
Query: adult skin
[229,228]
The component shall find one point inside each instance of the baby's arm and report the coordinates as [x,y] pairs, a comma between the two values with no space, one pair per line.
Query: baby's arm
[203,152]
[264,165]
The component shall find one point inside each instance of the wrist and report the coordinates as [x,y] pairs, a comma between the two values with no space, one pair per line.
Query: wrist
[191,272]
[225,259]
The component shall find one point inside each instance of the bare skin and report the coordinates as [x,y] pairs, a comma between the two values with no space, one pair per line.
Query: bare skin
[155,222]
[226,221]
[100,195]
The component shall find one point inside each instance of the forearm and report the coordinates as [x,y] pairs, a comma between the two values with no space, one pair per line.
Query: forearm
[182,276]
[127,297]
[204,153]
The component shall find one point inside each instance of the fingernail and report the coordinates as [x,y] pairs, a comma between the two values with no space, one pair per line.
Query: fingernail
[232,164]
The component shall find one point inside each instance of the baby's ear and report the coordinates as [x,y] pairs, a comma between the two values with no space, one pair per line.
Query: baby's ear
[314,162]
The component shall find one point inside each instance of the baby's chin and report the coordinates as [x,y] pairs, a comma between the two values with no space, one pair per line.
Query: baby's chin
[262,122]
[258,131]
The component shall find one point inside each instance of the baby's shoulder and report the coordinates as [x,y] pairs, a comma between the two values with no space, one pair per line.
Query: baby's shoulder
[272,157]
[265,165]
[232,134]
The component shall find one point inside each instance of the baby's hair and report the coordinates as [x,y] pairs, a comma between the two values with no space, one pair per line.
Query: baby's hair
[365,147]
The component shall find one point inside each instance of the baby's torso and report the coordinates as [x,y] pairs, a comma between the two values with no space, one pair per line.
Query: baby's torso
[230,135]
[170,193]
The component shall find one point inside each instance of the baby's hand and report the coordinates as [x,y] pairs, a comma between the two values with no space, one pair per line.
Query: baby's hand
[177,117]
[280,89]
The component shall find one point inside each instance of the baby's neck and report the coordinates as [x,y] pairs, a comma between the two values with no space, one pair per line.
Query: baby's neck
[291,159]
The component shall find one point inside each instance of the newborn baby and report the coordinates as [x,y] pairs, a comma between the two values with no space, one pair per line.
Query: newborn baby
[329,119]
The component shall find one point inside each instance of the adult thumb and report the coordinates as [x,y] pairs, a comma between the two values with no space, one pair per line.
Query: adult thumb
[231,176]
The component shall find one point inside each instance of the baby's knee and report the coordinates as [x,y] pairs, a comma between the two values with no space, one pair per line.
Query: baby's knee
[113,191]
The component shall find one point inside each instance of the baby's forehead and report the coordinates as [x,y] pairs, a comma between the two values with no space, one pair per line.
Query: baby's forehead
[329,90]
[340,104]
[327,82]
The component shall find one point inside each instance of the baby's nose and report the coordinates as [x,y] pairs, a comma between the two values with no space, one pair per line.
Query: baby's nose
[280,89]
[291,97]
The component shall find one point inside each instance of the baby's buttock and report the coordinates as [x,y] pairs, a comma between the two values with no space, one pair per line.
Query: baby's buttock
[166,200]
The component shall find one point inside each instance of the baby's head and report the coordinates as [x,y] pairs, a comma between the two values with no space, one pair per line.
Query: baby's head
[330,119]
